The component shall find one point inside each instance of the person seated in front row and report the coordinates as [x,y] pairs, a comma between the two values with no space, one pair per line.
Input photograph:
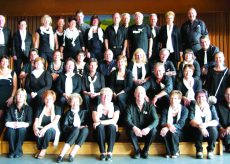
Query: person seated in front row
[223,110]
[46,124]
[204,121]
[105,117]
[141,122]
[68,83]
[92,83]
[172,122]
[18,119]
[75,127]
[159,87]
[188,85]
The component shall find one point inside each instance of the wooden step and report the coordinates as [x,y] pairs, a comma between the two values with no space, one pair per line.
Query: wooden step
[120,148]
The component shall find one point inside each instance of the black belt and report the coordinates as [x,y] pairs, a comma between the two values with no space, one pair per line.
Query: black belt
[115,47]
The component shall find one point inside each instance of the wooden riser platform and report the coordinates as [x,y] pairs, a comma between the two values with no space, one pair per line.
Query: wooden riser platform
[120,148]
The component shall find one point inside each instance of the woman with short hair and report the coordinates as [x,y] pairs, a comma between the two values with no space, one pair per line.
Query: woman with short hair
[105,117]
[46,124]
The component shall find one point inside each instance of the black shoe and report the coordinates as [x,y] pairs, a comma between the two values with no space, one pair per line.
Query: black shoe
[59,159]
[11,155]
[70,158]
[136,155]
[144,155]
[109,157]
[102,157]
[199,155]
[17,155]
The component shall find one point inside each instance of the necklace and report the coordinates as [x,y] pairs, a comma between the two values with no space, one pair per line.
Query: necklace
[19,119]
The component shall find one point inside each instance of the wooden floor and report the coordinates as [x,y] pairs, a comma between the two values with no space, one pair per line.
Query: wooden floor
[120,148]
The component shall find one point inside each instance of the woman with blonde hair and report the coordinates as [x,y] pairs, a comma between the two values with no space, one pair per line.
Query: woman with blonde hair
[105,117]
[44,39]
[75,127]
[139,67]
[170,38]
[18,119]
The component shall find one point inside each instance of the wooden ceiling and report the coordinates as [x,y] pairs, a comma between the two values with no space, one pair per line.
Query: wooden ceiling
[68,7]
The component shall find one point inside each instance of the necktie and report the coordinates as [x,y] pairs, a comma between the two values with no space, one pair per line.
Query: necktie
[205,58]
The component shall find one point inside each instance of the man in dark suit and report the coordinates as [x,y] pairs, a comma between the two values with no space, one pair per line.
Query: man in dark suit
[155,35]
[205,56]
[22,43]
[5,38]
[191,31]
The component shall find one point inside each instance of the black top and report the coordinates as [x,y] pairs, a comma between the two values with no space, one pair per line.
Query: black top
[14,115]
[156,45]
[98,84]
[196,87]
[44,44]
[138,37]
[115,40]
[71,50]
[176,39]
[155,88]
[69,118]
[128,81]
[40,84]
[139,70]
[5,49]
[27,68]
[223,112]
[105,117]
[77,84]
[212,109]
[211,51]
[196,73]
[17,44]
[213,81]
[180,123]
[191,33]
[141,119]
[47,119]
[82,28]
[51,69]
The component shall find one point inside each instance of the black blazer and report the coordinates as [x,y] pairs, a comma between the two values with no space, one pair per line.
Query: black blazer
[180,123]
[77,85]
[211,51]
[176,40]
[8,42]
[17,42]
[128,80]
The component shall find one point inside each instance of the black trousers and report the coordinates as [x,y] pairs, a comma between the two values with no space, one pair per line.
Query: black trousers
[43,142]
[171,141]
[77,136]
[121,101]
[91,101]
[18,63]
[15,138]
[48,56]
[106,133]
[199,138]
[148,139]
[226,141]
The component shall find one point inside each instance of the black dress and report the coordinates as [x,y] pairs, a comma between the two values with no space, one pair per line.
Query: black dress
[6,88]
